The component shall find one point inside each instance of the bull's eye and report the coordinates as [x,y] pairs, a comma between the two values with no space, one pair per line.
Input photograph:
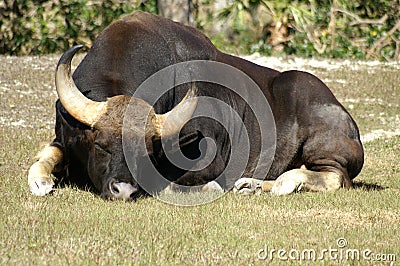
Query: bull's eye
[100,148]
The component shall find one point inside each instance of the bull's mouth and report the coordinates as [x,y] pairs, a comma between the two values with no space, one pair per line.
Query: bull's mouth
[122,190]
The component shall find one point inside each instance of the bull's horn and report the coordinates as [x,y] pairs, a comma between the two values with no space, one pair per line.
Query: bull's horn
[171,123]
[81,108]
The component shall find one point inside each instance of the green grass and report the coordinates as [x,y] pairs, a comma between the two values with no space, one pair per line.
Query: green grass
[73,226]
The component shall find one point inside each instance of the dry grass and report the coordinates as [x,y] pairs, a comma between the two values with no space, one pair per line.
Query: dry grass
[74,226]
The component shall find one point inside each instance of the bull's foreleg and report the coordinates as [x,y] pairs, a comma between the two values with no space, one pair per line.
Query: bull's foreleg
[40,180]
[291,181]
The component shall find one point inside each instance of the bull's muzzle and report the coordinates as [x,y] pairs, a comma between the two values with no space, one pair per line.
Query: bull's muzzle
[122,190]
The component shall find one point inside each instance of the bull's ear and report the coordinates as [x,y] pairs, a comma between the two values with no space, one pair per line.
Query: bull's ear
[171,123]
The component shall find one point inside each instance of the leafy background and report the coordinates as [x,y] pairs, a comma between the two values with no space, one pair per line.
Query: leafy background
[362,29]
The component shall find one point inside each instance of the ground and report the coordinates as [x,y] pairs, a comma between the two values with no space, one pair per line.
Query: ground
[74,226]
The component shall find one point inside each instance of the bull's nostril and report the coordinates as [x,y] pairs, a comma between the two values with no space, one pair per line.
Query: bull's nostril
[114,188]
[122,190]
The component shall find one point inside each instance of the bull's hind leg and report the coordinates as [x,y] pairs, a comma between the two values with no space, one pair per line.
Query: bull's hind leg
[330,165]
[291,181]
[39,175]
[306,180]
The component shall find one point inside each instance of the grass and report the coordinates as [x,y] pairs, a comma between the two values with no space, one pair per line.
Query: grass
[74,226]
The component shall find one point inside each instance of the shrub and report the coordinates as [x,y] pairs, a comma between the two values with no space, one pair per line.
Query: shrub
[48,26]
[361,29]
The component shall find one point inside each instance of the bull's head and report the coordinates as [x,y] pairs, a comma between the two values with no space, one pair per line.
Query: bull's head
[106,163]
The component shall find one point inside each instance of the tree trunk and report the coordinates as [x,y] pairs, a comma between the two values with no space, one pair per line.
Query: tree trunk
[177,10]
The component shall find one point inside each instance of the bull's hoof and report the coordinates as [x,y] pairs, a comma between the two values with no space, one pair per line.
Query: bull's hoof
[289,182]
[41,186]
[212,187]
[39,183]
[247,186]
[39,179]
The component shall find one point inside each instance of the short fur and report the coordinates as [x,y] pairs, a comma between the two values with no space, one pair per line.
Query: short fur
[313,128]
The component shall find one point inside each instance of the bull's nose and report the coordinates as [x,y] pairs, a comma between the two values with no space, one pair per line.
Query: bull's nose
[122,190]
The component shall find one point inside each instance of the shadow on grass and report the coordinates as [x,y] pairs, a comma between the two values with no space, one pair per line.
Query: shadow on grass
[83,183]
[368,187]
[87,186]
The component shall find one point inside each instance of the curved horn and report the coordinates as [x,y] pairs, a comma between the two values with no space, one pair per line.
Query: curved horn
[171,123]
[81,108]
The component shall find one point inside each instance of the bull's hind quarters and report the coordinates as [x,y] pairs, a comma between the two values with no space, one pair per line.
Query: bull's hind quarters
[310,126]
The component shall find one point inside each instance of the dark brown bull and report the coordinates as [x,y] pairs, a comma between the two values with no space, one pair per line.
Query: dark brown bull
[317,142]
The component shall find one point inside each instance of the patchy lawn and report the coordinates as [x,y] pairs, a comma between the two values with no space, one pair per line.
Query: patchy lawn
[74,226]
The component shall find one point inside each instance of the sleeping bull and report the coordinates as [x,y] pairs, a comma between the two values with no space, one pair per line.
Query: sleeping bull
[317,143]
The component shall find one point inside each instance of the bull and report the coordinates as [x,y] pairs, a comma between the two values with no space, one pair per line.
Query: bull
[318,145]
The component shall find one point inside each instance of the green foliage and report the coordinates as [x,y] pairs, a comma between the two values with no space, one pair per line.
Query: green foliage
[335,28]
[362,29]
[47,26]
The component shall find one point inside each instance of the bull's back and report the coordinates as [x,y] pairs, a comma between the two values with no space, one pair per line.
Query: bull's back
[133,48]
